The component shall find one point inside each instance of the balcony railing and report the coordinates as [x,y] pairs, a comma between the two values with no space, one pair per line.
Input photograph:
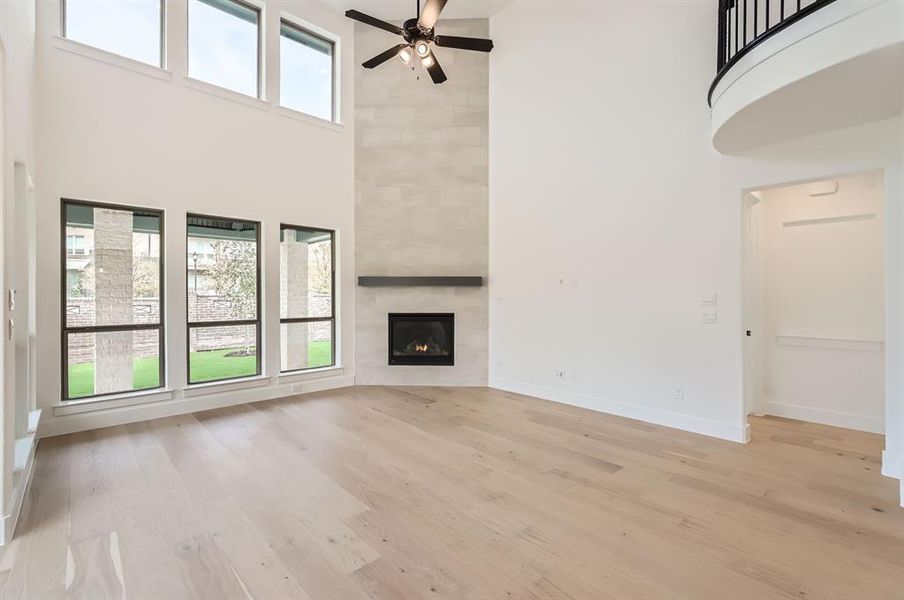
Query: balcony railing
[743,24]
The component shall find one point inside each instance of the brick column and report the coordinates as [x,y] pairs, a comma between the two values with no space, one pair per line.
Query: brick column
[293,258]
[113,299]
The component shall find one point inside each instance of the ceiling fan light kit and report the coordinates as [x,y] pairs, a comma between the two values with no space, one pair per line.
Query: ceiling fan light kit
[419,34]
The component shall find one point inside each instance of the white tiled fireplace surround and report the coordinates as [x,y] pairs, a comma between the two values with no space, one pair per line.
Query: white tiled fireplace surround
[421,204]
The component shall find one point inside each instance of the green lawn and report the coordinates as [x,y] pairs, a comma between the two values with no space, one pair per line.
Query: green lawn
[205,366]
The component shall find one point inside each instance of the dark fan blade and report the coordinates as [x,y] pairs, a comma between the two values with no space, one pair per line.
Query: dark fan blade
[373,21]
[436,72]
[430,13]
[379,59]
[463,43]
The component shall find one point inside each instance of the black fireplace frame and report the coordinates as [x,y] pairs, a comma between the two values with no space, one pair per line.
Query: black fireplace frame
[420,361]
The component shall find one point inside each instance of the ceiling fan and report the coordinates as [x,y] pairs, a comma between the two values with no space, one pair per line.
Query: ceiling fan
[419,35]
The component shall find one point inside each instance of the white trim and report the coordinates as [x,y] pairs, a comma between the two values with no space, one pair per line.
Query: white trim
[298,376]
[830,220]
[891,466]
[214,387]
[111,58]
[8,522]
[826,417]
[180,406]
[827,343]
[73,407]
[291,113]
[212,89]
[725,431]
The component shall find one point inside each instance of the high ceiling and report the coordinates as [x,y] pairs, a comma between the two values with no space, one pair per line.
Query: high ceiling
[406,9]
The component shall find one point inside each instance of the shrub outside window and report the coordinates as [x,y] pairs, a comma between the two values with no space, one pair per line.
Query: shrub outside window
[223,300]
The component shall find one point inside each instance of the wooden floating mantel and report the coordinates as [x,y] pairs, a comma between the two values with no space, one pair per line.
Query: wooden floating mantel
[374,281]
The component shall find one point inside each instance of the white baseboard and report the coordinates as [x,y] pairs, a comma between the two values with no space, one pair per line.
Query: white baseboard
[825,417]
[891,466]
[724,431]
[59,425]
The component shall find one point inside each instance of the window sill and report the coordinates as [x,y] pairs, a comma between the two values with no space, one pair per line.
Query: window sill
[215,387]
[293,376]
[111,58]
[291,113]
[74,407]
[212,89]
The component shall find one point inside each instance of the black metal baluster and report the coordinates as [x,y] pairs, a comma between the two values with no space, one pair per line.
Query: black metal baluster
[747,37]
[756,17]
[722,51]
[745,24]
[737,32]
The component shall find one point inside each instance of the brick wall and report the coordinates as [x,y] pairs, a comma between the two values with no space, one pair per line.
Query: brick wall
[80,312]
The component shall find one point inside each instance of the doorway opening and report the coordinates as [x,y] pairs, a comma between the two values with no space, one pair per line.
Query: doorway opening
[814,301]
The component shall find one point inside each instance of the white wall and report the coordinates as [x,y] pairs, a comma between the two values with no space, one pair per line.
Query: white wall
[113,132]
[17,145]
[824,297]
[602,173]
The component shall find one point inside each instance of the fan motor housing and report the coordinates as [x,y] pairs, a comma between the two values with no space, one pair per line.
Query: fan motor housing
[412,31]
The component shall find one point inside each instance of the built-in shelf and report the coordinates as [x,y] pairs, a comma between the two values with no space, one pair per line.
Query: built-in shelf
[374,281]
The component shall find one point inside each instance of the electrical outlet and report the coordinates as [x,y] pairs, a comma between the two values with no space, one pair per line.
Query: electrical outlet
[679,393]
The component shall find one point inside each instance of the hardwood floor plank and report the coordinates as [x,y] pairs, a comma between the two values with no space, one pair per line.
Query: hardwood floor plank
[381,492]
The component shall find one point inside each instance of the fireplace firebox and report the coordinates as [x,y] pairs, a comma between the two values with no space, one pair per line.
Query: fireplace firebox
[422,339]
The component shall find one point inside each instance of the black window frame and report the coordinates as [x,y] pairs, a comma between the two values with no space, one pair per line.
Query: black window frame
[66,330]
[257,322]
[259,62]
[334,72]
[331,318]
[162,58]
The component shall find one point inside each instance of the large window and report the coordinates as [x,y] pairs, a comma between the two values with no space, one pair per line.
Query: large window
[306,71]
[133,29]
[224,328]
[306,298]
[224,44]
[112,284]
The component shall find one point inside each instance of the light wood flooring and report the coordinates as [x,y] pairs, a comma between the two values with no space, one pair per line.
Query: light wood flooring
[374,492]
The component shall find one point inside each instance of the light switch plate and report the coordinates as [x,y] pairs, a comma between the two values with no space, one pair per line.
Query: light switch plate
[710,300]
[709,318]
[12,300]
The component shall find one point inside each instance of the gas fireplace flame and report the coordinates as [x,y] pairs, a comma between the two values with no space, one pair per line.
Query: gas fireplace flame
[421,347]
